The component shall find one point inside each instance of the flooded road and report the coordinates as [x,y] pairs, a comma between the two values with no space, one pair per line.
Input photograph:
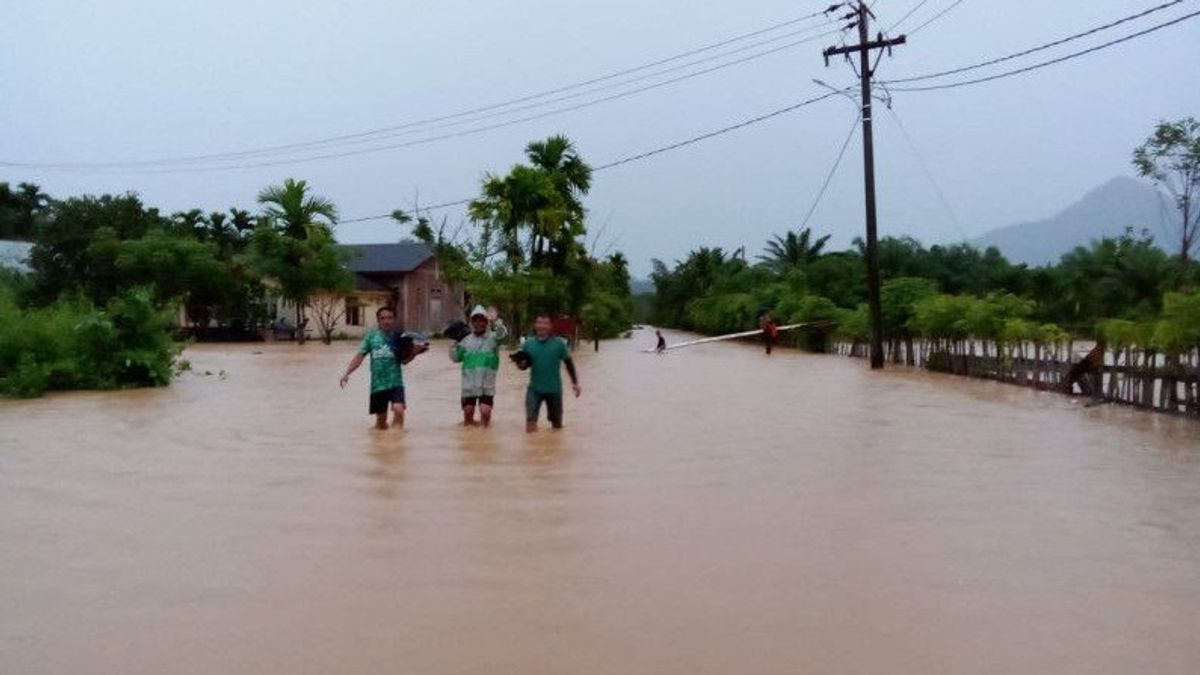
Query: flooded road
[707,511]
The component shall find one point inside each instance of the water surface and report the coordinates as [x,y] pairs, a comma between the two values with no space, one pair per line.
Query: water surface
[708,511]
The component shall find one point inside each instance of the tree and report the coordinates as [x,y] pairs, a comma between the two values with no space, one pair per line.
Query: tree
[63,258]
[792,250]
[540,202]
[294,246]
[20,210]
[294,211]
[1170,157]
[899,298]
[1113,278]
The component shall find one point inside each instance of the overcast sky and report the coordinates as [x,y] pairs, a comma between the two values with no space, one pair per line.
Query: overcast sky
[113,81]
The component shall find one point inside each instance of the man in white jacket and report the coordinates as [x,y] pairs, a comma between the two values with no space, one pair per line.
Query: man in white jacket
[479,354]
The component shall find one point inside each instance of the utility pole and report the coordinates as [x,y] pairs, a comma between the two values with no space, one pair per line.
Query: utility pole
[865,46]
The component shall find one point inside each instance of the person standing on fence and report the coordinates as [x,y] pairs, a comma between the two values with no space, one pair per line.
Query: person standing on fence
[479,354]
[1088,374]
[770,330]
[387,377]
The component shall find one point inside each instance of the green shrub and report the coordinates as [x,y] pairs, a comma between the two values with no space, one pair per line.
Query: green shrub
[72,344]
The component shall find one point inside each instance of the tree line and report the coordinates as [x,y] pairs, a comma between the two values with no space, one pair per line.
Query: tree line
[110,275]
[1117,286]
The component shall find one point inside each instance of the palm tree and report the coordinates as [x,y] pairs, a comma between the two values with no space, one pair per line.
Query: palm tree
[306,223]
[560,221]
[792,250]
[294,211]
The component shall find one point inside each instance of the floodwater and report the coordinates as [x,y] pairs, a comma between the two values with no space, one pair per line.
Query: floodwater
[708,511]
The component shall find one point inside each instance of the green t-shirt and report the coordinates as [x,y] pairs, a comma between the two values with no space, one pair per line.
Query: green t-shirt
[545,371]
[385,369]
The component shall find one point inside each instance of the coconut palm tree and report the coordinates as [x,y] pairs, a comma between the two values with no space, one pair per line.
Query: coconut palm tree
[296,212]
[792,250]
[296,241]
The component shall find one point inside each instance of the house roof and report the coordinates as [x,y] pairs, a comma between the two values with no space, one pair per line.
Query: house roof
[15,254]
[402,257]
[363,282]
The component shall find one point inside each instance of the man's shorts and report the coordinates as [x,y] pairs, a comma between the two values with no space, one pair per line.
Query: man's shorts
[478,400]
[381,400]
[554,407]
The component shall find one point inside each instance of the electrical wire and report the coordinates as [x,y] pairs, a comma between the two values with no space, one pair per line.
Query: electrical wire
[416,125]
[935,17]
[421,141]
[1039,48]
[1051,62]
[832,170]
[928,173]
[904,18]
[647,154]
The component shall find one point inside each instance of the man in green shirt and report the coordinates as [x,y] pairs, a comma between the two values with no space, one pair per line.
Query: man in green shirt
[387,378]
[547,354]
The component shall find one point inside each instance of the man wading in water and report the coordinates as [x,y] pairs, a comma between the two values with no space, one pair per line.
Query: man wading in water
[479,354]
[387,378]
[546,355]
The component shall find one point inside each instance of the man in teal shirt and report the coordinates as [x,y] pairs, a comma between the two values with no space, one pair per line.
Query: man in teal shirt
[547,354]
[387,378]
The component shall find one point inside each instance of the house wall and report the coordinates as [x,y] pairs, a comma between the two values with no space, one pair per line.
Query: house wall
[423,300]
[427,301]
[370,301]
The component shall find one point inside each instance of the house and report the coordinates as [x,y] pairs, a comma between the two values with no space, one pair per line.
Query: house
[405,276]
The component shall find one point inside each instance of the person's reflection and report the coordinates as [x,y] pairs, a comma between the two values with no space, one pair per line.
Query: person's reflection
[544,452]
[477,446]
[388,469]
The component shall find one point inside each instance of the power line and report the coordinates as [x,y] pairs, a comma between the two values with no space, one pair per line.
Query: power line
[648,153]
[832,170]
[904,18]
[928,173]
[808,32]
[935,17]
[120,167]
[718,132]
[465,113]
[1051,62]
[1039,48]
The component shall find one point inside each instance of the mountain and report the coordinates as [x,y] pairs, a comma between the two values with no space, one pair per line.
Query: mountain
[1104,212]
[641,286]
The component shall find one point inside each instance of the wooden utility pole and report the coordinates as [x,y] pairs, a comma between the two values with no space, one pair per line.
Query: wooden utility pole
[865,46]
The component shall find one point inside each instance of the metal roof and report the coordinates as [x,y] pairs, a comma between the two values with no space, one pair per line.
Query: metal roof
[402,257]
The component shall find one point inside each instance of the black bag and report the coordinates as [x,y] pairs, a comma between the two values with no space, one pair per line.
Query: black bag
[456,331]
[521,359]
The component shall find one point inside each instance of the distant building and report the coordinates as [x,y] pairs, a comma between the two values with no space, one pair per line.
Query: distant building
[14,255]
[405,276]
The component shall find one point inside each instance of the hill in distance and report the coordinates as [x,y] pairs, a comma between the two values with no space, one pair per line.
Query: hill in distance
[1104,212]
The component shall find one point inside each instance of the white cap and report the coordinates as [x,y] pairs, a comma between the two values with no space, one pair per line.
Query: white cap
[479,311]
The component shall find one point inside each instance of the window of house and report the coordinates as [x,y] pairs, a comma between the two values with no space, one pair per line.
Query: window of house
[354,312]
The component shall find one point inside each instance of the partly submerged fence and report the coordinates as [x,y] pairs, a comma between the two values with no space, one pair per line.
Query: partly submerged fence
[1126,374]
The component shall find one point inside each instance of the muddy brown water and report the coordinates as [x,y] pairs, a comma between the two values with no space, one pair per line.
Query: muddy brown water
[708,511]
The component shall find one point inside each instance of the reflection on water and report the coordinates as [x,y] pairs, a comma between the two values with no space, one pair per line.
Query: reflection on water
[711,510]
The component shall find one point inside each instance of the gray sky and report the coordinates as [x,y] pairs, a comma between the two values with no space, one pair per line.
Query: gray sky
[91,81]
